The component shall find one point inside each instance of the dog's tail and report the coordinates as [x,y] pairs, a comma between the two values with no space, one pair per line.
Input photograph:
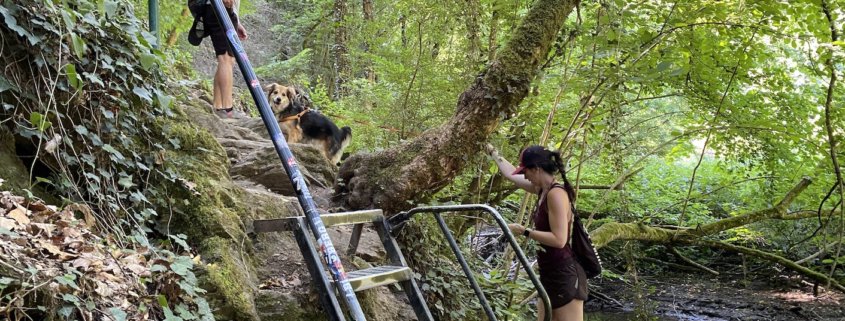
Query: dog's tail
[344,140]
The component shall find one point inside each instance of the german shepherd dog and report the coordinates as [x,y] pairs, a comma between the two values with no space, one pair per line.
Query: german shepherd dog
[301,124]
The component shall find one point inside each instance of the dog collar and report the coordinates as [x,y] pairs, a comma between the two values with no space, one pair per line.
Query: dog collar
[297,116]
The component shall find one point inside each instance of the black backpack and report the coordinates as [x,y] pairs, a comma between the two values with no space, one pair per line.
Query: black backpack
[582,247]
[197,32]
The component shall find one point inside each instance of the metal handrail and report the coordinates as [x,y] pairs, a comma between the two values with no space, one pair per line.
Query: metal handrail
[398,220]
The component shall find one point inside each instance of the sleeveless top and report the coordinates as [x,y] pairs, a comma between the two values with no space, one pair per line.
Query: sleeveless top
[549,257]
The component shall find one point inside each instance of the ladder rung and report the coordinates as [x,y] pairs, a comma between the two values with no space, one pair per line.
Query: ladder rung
[274,225]
[349,218]
[377,276]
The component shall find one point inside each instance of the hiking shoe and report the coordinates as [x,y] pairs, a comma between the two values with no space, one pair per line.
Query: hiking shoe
[239,114]
[224,113]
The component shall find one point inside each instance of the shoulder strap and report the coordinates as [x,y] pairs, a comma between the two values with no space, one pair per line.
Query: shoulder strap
[572,209]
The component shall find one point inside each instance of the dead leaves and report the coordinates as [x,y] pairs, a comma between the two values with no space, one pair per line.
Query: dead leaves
[57,251]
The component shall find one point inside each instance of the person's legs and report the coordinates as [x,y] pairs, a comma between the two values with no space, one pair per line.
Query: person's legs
[541,311]
[223,82]
[218,79]
[572,311]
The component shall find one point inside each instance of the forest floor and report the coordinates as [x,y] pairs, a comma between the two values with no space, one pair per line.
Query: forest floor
[705,298]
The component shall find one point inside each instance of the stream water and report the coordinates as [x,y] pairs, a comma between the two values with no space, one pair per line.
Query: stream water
[629,316]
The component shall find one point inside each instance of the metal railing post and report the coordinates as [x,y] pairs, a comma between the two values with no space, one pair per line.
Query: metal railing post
[153,10]
[398,220]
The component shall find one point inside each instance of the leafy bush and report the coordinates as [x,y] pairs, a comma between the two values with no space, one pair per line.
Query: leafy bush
[83,92]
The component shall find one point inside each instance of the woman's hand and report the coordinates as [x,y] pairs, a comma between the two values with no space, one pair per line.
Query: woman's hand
[228,3]
[241,32]
[516,229]
[491,150]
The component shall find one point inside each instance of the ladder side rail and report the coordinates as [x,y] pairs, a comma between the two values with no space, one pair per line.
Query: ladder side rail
[289,163]
[355,239]
[411,288]
[396,221]
[315,267]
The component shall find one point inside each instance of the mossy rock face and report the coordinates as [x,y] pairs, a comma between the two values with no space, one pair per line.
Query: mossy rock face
[285,306]
[13,173]
[226,278]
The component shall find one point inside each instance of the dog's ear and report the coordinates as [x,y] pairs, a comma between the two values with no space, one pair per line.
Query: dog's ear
[291,93]
[269,88]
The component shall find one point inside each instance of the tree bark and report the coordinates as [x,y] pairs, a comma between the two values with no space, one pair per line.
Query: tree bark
[400,177]
[369,16]
[340,51]
[473,12]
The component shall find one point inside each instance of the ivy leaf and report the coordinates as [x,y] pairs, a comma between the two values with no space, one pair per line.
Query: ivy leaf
[147,60]
[113,152]
[4,282]
[81,130]
[72,77]
[164,100]
[162,301]
[125,180]
[143,93]
[5,84]
[39,121]
[182,265]
[110,7]
[78,45]
[180,239]
[12,23]
[68,279]
[118,314]
[169,316]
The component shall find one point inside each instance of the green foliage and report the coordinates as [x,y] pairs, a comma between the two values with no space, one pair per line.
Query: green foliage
[642,86]
[84,93]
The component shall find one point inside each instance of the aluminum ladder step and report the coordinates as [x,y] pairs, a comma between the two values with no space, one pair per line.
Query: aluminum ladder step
[378,276]
[332,219]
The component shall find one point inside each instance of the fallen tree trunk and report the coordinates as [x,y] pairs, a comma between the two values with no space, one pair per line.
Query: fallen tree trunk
[614,231]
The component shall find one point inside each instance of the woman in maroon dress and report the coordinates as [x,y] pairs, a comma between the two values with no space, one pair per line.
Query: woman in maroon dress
[561,275]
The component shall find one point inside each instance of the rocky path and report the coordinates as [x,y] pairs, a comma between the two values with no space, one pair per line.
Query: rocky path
[284,285]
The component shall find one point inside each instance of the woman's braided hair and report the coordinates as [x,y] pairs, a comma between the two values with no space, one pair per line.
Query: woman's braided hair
[552,162]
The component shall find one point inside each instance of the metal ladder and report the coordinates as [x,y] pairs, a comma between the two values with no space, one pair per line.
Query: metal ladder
[312,217]
[397,270]
[347,284]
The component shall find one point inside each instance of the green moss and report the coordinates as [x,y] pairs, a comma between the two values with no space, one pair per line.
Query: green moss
[12,170]
[278,306]
[206,207]
[226,280]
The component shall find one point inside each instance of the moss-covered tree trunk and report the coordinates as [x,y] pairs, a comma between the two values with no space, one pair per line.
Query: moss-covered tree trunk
[397,178]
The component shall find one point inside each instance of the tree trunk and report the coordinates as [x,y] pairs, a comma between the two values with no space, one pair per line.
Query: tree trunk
[400,177]
[174,33]
[340,50]
[369,16]
[472,12]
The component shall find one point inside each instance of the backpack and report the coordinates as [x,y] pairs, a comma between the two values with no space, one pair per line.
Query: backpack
[582,247]
[197,32]
[197,8]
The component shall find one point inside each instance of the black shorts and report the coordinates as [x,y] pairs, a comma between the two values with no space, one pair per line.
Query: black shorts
[216,31]
[564,283]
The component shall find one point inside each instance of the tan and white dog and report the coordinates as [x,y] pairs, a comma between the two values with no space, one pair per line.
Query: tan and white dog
[301,124]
